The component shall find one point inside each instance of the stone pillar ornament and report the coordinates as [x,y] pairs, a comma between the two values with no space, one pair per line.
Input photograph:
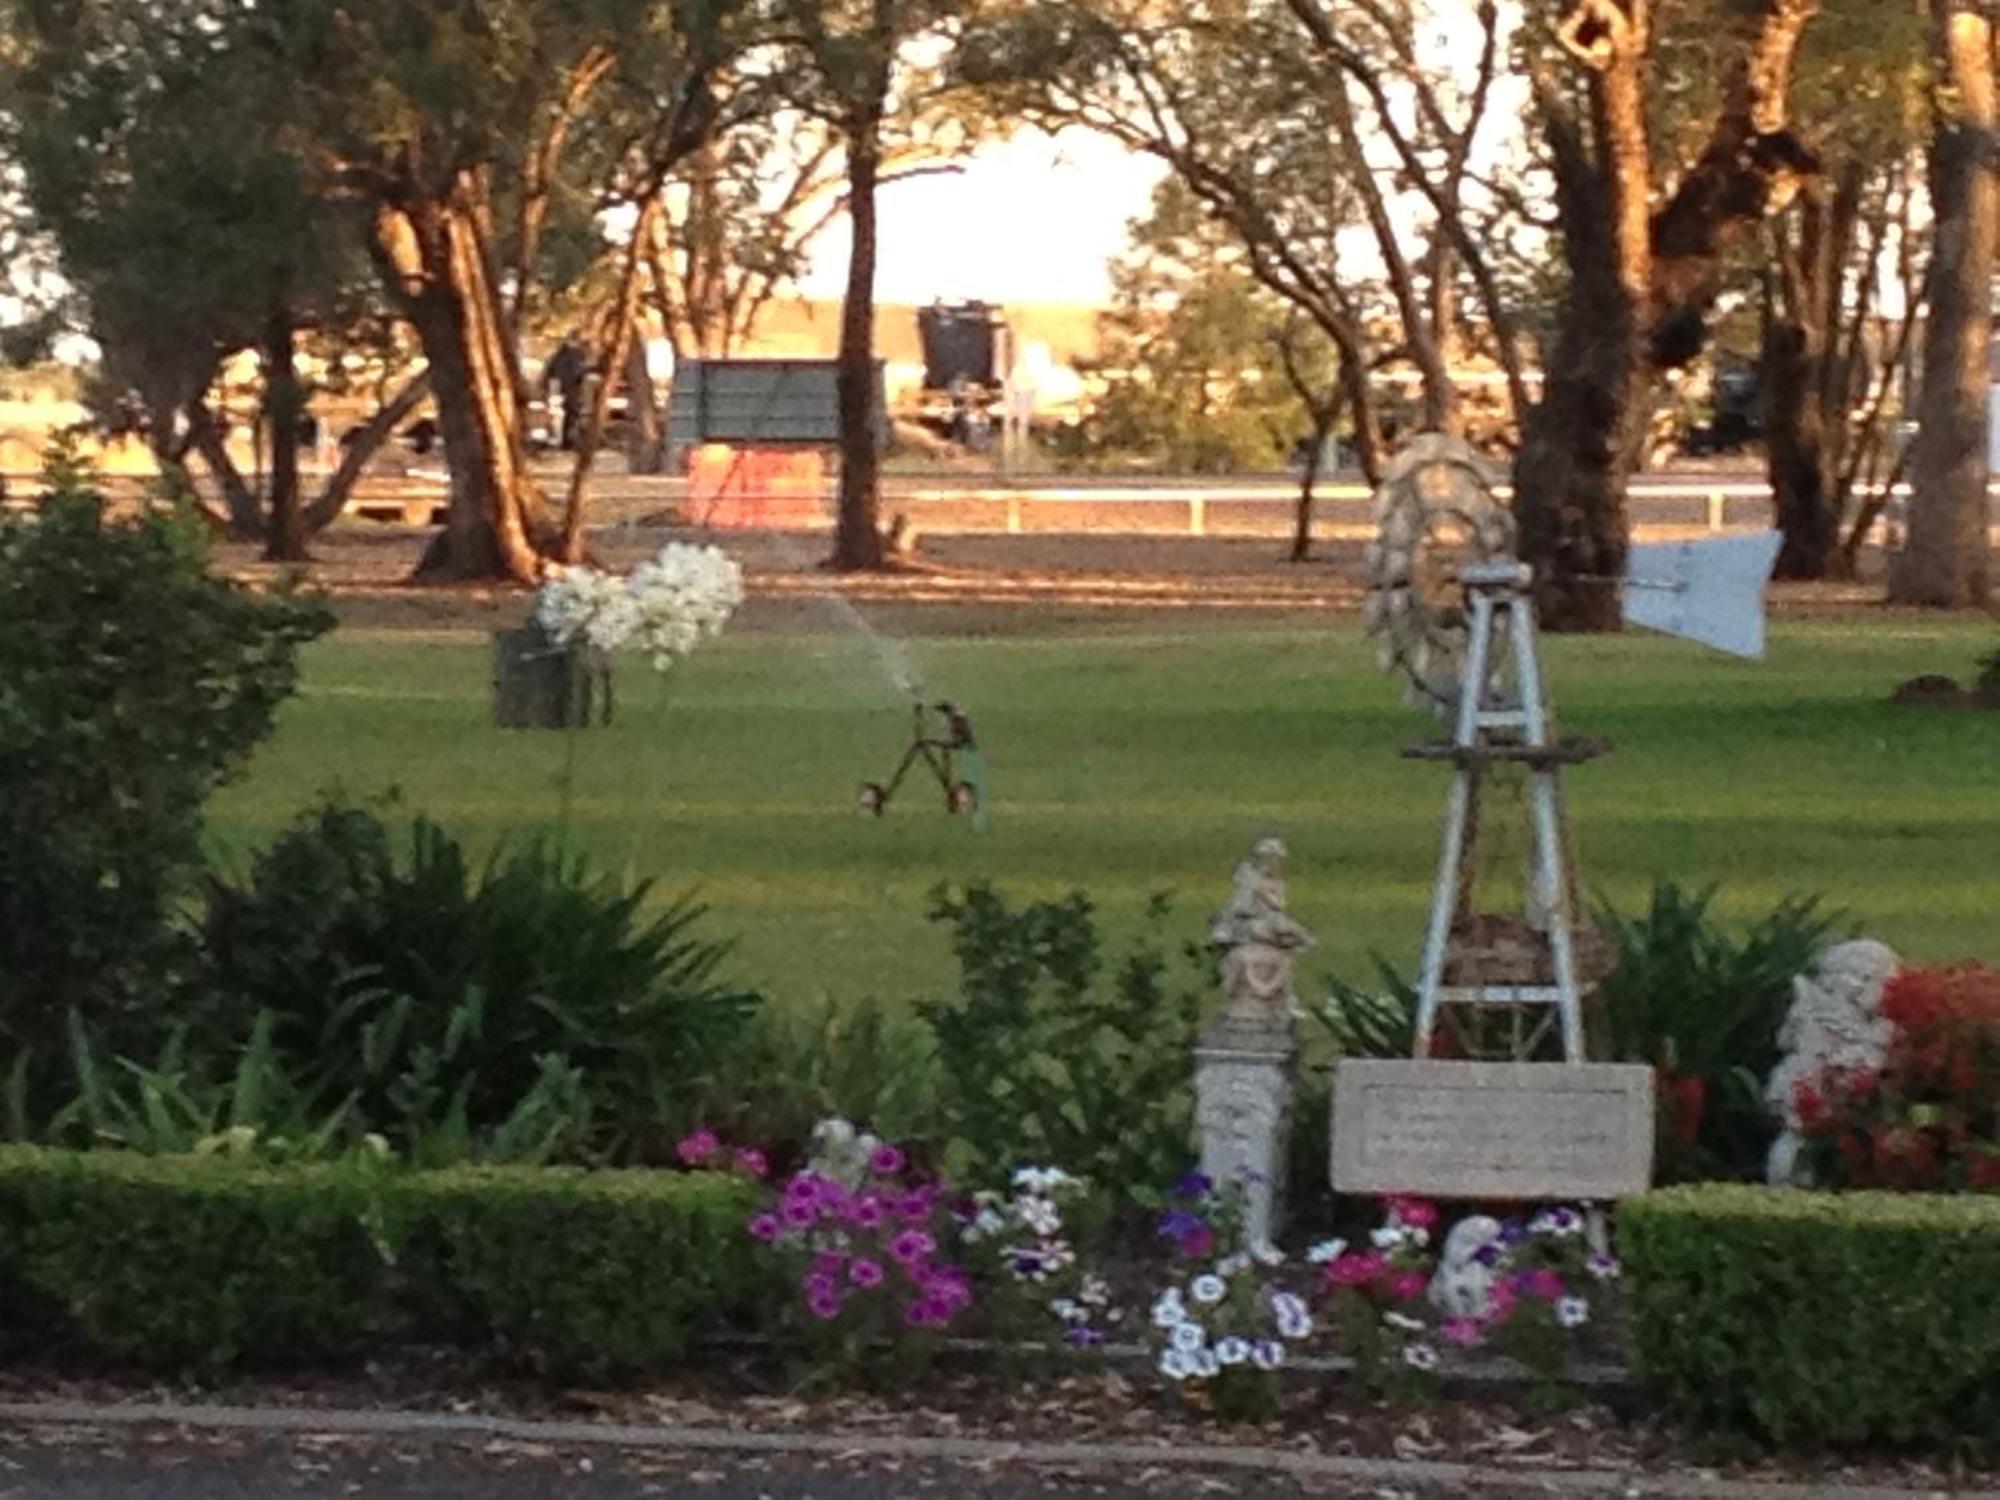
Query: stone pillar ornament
[1246,1063]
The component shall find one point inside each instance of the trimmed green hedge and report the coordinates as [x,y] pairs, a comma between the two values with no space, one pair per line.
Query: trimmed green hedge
[1818,1317]
[201,1263]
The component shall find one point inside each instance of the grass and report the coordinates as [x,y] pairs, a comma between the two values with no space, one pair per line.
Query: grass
[1126,762]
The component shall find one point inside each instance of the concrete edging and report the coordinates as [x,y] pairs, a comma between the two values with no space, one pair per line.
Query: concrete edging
[446,1426]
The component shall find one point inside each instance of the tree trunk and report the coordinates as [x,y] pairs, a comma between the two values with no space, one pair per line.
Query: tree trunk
[284,405]
[1580,442]
[1302,528]
[857,539]
[617,349]
[206,437]
[1945,560]
[360,448]
[441,270]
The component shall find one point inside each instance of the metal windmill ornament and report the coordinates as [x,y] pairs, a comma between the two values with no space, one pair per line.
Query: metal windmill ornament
[1451,610]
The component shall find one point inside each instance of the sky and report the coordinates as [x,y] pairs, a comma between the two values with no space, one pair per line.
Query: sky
[1032,219]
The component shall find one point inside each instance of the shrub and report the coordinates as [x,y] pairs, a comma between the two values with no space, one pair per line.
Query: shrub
[189,1262]
[132,682]
[441,994]
[1929,1118]
[1044,1063]
[203,1262]
[577,1273]
[1704,1007]
[1817,1317]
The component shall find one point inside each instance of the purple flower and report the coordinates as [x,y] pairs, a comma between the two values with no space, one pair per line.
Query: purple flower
[868,1212]
[887,1161]
[911,1246]
[916,1206]
[820,1284]
[798,1213]
[766,1227]
[1512,1235]
[1194,1185]
[865,1272]
[697,1148]
[1083,1338]
[1487,1255]
[926,1312]
[1177,1222]
[752,1162]
[1027,1263]
[1197,1242]
[1545,1283]
[823,1305]
[829,1262]
[948,1286]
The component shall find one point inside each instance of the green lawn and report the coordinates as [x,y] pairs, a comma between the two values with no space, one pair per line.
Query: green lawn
[1126,762]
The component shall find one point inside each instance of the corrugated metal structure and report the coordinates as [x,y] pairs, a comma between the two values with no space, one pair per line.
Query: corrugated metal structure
[761,403]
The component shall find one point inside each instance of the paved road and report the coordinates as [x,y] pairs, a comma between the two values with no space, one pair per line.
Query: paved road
[56,1464]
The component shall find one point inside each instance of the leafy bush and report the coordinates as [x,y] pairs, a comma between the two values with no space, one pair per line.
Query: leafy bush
[1704,1008]
[1987,679]
[576,1273]
[191,1263]
[203,1263]
[441,995]
[1042,1062]
[1929,1118]
[1817,1317]
[132,682]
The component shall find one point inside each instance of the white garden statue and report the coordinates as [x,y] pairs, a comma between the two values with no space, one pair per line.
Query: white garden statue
[1835,1026]
[1463,1284]
[1260,938]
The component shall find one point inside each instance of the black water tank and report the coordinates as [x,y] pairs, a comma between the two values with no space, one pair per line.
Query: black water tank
[961,342]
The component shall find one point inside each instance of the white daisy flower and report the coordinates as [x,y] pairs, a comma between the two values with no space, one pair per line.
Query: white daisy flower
[1209,1289]
[1420,1357]
[1231,1351]
[1572,1312]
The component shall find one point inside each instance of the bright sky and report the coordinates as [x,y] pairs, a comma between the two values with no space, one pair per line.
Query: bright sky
[1033,219]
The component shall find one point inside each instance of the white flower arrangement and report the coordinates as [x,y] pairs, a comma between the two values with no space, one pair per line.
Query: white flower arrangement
[1024,1240]
[668,606]
[1243,1320]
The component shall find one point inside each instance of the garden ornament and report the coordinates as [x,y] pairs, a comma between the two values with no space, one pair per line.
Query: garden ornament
[1835,1028]
[1261,939]
[1463,1284]
[949,751]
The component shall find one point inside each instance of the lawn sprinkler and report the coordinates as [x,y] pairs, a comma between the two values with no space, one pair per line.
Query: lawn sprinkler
[951,753]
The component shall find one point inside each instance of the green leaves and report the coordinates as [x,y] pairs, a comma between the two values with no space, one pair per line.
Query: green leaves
[1043,1063]
[132,683]
[1817,1317]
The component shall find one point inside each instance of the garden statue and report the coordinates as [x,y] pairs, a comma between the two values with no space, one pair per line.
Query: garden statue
[1261,939]
[1835,1026]
[1463,1285]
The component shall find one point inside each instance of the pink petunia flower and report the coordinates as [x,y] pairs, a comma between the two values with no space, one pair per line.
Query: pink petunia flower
[911,1246]
[1544,1283]
[823,1305]
[798,1213]
[698,1147]
[752,1162]
[868,1211]
[1464,1332]
[887,1161]
[865,1272]
[766,1227]
[1407,1286]
[1417,1213]
[1356,1267]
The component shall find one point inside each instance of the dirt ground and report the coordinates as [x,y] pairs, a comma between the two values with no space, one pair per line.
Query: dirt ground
[956,584]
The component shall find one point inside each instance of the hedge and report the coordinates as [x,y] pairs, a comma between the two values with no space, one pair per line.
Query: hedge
[198,1263]
[1818,1317]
